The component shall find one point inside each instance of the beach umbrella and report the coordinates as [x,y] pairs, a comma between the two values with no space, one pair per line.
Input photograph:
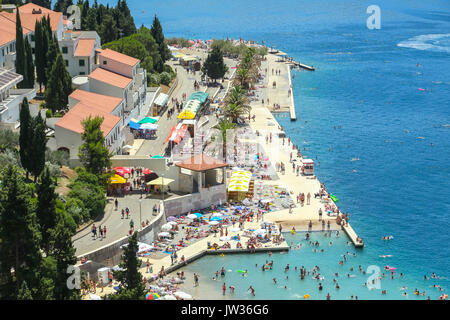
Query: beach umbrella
[191,216]
[224,238]
[152,296]
[306,296]
[215,219]
[213,223]
[95,297]
[260,231]
[163,234]
[234,229]
[168,297]
[116,179]
[173,223]
[171,218]
[122,170]
[147,171]
[182,295]
[166,227]
[198,214]
[217,214]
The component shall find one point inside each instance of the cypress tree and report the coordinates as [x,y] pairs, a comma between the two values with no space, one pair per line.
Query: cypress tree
[52,53]
[20,52]
[24,292]
[164,52]
[46,209]
[38,146]
[56,95]
[19,246]
[29,65]
[25,137]
[40,54]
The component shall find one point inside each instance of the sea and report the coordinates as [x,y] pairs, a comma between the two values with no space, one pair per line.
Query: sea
[375,116]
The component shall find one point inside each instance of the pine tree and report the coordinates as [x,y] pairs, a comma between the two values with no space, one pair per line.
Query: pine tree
[20,52]
[214,65]
[93,154]
[24,292]
[64,254]
[62,5]
[29,65]
[84,14]
[108,29]
[25,137]
[131,285]
[91,20]
[19,246]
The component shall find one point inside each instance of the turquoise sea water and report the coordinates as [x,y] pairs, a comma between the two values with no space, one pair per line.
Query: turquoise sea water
[367,86]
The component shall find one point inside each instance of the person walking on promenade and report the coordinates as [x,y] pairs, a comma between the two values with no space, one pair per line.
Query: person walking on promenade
[104,231]
[127,211]
[131,224]
[308,198]
[100,230]
[123,213]
[94,231]
[116,203]
[328,225]
[323,225]
[320,214]
[196,276]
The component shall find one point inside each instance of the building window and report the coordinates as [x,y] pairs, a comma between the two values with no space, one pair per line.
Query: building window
[3,52]
[67,63]
[82,63]
[104,62]
[32,50]
[32,37]
[82,73]
[64,49]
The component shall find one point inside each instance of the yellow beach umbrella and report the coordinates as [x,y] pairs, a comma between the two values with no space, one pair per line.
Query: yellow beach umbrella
[116,179]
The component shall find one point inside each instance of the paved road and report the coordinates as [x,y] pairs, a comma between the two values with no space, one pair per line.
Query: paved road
[116,226]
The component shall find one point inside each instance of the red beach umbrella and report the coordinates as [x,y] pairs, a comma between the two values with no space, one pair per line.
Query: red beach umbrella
[147,171]
[121,171]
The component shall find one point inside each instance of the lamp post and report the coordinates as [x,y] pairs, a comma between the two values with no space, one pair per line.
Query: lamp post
[140,213]
[162,189]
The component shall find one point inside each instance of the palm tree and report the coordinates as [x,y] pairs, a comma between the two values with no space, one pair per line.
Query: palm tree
[237,96]
[235,111]
[223,126]
[243,76]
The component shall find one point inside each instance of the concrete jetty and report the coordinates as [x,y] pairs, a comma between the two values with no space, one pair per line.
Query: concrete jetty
[353,236]
[292,104]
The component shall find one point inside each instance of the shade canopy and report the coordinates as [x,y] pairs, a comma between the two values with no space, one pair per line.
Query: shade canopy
[160,182]
[240,181]
[187,114]
[116,179]
[201,162]
[121,171]
[199,95]
[147,120]
[161,99]
[135,125]
[149,126]
[157,157]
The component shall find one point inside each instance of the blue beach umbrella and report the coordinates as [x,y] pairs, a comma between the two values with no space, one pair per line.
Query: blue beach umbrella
[215,219]
[198,214]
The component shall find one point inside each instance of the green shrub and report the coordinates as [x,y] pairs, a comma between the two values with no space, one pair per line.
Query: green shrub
[154,78]
[48,113]
[165,78]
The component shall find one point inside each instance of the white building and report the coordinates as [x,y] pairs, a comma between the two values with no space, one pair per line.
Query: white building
[10,98]
[78,50]
[115,90]
[84,104]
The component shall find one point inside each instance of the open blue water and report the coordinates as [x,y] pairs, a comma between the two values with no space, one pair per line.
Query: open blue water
[366,84]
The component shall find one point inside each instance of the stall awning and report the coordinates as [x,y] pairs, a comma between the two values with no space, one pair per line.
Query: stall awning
[170,133]
[176,138]
[187,114]
[148,120]
[160,181]
[199,95]
[240,181]
[149,126]
[161,99]
[188,58]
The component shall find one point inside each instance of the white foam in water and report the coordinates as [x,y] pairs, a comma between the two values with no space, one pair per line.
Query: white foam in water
[431,42]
